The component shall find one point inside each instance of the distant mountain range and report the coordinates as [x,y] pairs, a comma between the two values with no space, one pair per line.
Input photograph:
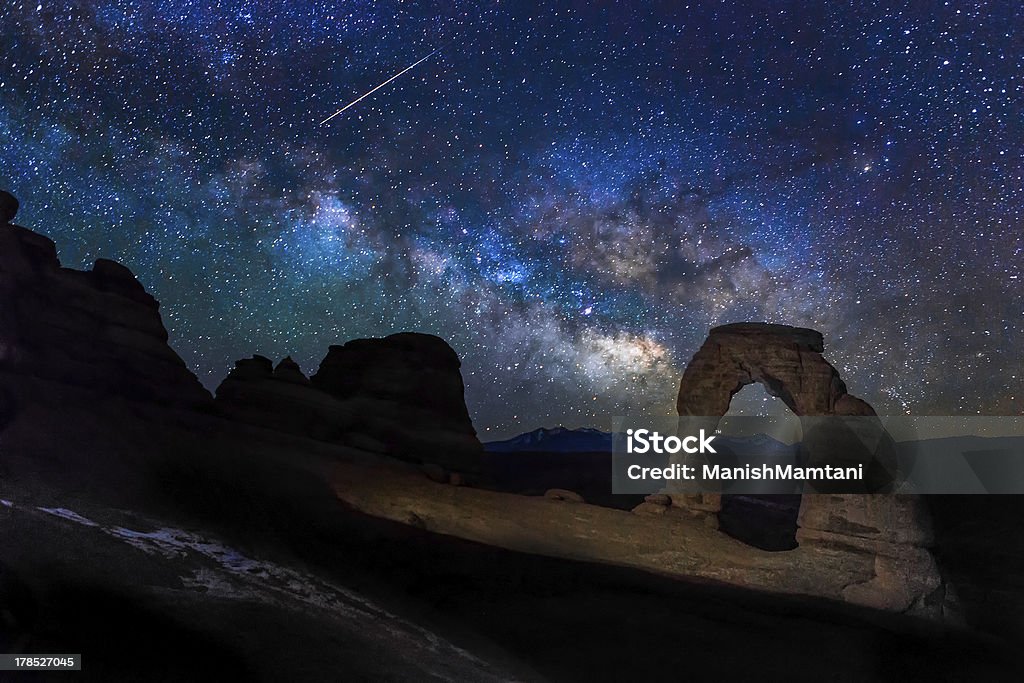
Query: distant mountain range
[557,440]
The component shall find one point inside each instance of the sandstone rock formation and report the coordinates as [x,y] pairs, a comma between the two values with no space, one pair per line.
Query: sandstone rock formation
[416,371]
[894,530]
[281,398]
[786,360]
[289,371]
[407,392]
[400,396]
[85,371]
[98,330]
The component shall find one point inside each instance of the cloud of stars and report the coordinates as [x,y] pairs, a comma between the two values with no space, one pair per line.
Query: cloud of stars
[570,195]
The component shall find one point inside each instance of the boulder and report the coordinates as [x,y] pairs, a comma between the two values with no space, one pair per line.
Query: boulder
[257,367]
[418,371]
[563,495]
[787,360]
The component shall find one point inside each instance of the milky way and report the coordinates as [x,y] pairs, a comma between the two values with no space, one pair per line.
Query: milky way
[571,196]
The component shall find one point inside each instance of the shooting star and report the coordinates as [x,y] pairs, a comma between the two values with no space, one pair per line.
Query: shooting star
[365,95]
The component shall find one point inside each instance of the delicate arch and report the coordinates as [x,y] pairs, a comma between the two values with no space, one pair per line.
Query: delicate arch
[788,361]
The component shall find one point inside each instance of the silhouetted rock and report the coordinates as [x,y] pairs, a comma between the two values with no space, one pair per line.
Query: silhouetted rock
[281,399]
[289,371]
[419,371]
[401,396]
[8,206]
[407,392]
[257,367]
[111,276]
[99,329]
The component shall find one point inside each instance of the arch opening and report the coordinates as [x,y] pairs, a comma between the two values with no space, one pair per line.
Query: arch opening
[768,522]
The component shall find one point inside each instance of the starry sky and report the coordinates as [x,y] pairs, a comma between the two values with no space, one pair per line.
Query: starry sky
[570,193]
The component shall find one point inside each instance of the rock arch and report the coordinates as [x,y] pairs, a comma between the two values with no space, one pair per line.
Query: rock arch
[788,361]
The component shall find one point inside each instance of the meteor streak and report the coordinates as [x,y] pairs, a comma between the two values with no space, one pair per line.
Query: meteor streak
[365,95]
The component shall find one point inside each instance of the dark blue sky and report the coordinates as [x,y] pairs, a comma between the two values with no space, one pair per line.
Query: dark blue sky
[570,194]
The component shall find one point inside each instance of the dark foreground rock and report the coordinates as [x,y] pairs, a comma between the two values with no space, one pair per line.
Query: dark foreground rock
[322,594]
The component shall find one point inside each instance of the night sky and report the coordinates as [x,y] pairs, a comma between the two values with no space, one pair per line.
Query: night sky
[570,195]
